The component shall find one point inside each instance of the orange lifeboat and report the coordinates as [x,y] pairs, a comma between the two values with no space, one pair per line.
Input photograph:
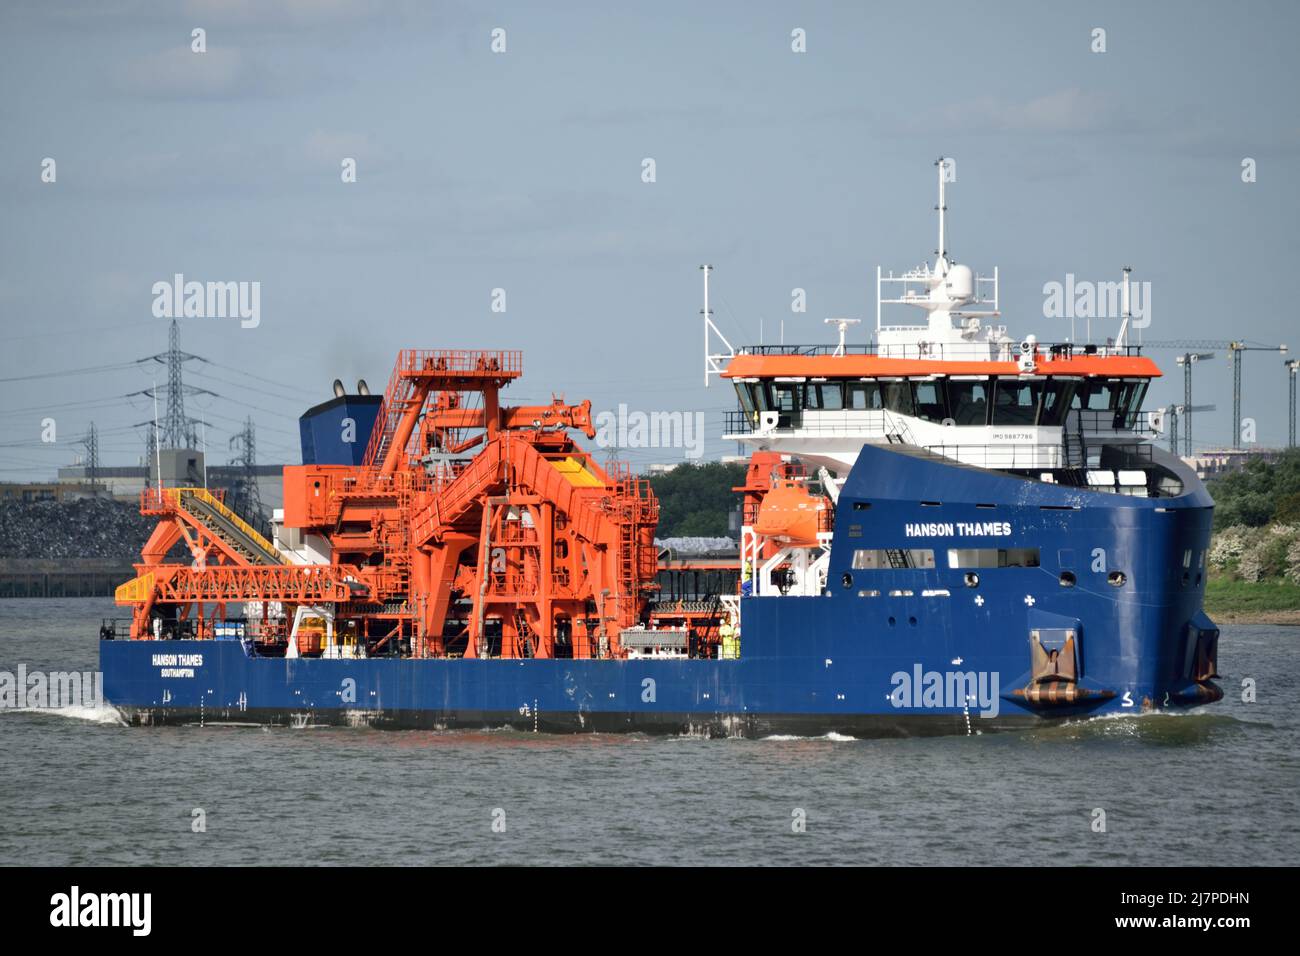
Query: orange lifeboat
[790,514]
[311,637]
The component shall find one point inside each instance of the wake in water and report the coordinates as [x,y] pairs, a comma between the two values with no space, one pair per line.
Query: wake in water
[1158,727]
[94,714]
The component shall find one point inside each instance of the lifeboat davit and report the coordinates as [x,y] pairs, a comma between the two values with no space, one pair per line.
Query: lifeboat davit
[790,514]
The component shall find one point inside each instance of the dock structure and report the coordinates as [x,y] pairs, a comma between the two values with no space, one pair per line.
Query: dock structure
[35,580]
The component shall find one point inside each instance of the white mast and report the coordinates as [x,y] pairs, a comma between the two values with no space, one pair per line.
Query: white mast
[712,360]
[946,293]
[1122,338]
[706,269]
[942,265]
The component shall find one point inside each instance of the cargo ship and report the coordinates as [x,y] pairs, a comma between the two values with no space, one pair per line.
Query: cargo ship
[943,531]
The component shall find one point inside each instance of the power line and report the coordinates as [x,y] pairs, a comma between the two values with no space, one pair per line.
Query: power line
[89,330]
[260,378]
[91,402]
[250,388]
[89,370]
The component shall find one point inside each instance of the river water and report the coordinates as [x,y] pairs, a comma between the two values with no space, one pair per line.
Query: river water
[1217,786]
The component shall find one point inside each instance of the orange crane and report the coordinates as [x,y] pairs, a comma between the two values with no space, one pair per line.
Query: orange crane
[524,548]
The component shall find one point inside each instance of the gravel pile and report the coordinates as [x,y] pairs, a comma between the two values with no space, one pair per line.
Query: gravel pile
[96,528]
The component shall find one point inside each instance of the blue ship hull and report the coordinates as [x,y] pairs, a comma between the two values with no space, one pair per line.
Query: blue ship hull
[1115,601]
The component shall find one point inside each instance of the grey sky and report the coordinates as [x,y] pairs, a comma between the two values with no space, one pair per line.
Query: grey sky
[523,171]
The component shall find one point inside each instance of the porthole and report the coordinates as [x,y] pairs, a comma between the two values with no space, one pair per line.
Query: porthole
[1067,579]
[972,579]
[1116,579]
[892,622]
[911,621]
[847,580]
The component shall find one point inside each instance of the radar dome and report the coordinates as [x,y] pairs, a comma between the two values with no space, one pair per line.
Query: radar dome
[961,283]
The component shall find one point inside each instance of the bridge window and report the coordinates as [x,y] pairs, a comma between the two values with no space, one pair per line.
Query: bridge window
[753,396]
[968,402]
[785,397]
[1128,402]
[1057,395]
[929,401]
[1094,396]
[898,397]
[824,396]
[1015,402]
[863,396]
[962,558]
[1121,398]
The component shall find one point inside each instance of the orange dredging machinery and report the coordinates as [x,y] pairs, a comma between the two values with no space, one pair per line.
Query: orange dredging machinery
[467,528]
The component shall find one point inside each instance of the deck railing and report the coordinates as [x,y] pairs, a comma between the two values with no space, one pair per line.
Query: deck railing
[1051,351]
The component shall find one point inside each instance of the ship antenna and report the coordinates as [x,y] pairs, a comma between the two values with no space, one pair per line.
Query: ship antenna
[1122,338]
[843,325]
[708,320]
[713,361]
[942,251]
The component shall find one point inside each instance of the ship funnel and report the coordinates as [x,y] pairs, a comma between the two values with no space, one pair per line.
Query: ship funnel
[339,390]
[362,387]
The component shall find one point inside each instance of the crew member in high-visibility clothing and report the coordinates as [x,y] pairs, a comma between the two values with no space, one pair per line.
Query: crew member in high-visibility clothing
[746,579]
[730,634]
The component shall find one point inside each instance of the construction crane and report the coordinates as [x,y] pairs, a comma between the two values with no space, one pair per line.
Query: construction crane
[1174,413]
[1291,366]
[1187,360]
[1234,347]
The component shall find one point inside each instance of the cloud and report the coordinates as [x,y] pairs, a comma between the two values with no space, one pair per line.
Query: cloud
[182,74]
[283,12]
[328,148]
[248,19]
[1066,111]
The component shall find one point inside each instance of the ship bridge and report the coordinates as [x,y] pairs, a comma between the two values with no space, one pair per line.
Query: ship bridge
[955,385]
[988,413]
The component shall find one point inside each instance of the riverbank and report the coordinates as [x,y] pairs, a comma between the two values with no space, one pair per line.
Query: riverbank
[1230,601]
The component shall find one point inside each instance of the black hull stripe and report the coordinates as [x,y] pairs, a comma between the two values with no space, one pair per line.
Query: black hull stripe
[865,726]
